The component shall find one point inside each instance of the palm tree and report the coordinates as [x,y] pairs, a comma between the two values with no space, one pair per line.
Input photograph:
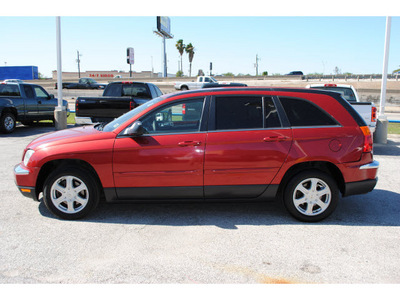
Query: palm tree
[190,50]
[181,48]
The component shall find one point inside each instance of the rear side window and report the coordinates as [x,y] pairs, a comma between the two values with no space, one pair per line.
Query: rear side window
[238,113]
[9,90]
[245,112]
[301,112]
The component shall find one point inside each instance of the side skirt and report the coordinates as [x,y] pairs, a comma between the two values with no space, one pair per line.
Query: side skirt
[186,194]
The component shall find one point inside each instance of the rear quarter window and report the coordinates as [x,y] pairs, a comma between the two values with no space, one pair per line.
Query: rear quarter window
[302,113]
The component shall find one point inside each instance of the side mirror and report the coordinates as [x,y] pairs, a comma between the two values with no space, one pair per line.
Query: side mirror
[51,96]
[136,129]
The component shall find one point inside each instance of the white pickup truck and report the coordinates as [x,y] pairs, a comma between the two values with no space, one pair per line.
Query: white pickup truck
[367,110]
[192,85]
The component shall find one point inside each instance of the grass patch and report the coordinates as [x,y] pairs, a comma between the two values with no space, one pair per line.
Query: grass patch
[394,128]
[71,118]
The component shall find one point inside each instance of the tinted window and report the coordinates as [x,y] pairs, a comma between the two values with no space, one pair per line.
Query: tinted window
[271,114]
[113,90]
[347,93]
[29,92]
[238,113]
[183,116]
[301,112]
[9,90]
[159,93]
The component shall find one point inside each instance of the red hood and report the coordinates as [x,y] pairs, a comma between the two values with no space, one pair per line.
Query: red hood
[68,136]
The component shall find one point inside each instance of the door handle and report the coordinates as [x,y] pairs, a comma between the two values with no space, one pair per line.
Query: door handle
[189,143]
[275,138]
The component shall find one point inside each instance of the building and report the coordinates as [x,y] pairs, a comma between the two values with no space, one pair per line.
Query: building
[104,75]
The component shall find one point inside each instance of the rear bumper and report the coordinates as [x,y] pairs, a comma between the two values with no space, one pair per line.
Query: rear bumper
[360,187]
[363,186]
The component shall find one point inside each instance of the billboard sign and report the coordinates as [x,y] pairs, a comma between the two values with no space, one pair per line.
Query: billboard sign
[164,26]
[130,56]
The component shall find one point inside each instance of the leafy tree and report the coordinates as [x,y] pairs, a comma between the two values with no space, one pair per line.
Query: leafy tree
[179,74]
[265,73]
[190,51]
[181,48]
[228,74]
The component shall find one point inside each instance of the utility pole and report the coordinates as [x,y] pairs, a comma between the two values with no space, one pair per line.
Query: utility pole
[256,64]
[79,61]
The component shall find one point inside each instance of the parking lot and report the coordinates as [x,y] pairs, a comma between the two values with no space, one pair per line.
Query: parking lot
[200,243]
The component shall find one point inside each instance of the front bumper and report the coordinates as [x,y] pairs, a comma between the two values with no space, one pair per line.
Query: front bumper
[22,178]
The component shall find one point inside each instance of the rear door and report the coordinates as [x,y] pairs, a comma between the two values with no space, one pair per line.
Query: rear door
[31,103]
[246,146]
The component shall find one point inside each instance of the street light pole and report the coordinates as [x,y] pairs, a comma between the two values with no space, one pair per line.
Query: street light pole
[60,113]
[381,130]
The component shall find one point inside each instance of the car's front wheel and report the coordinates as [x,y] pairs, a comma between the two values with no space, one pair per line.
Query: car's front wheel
[70,193]
[311,196]
[7,122]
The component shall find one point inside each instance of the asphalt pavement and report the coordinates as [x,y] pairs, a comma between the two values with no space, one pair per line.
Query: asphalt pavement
[200,243]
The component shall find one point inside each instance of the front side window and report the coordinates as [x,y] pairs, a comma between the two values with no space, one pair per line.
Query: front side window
[40,93]
[183,116]
[301,113]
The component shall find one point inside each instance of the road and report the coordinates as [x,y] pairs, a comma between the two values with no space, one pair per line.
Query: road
[200,243]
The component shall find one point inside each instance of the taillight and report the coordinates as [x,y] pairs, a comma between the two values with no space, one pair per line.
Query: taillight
[183,109]
[367,139]
[76,106]
[132,105]
[373,114]
[330,84]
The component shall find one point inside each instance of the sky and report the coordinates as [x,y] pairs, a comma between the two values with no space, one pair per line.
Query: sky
[312,43]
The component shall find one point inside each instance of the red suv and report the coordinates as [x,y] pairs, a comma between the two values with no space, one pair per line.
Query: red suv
[303,146]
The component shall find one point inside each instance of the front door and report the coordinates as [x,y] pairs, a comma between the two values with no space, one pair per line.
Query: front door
[167,161]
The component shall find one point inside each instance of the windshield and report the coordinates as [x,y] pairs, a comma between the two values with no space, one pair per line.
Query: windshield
[347,93]
[125,117]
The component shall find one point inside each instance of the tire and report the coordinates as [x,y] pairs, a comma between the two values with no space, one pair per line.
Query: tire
[71,193]
[311,196]
[184,88]
[7,122]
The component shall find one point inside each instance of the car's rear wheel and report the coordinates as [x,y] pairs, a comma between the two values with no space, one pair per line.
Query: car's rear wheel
[71,193]
[311,196]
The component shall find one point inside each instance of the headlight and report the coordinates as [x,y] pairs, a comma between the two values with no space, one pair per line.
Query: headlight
[28,155]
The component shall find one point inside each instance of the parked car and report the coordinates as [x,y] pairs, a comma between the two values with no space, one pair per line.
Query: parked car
[295,73]
[213,85]
[303,146]
[201,80]
[367,110]
[26,103]
[118,98]
[84,83]
[13,81]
